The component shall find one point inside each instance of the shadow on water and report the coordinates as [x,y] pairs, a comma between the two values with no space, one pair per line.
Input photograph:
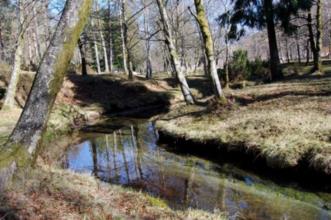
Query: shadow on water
[129,155]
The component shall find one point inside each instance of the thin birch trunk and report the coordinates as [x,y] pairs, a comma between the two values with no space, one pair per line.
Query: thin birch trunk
[173,54]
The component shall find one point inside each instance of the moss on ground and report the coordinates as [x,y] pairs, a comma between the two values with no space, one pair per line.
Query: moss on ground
[284,122]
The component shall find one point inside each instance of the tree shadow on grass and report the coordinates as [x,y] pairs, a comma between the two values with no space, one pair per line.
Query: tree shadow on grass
[118,96]
[199,83]
[315,86]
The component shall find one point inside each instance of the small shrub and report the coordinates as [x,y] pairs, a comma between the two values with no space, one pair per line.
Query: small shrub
[259,69]
[239,66]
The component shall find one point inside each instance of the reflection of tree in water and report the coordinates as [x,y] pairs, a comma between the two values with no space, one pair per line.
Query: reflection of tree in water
[126,165]
[131,157]
[94,158]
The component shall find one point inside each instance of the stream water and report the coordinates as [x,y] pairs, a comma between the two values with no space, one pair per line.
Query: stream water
[128,154]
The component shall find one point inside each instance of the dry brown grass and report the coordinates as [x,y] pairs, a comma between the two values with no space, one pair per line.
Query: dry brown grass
[283,122]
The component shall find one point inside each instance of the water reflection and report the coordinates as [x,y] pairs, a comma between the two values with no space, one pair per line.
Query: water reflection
[130,157]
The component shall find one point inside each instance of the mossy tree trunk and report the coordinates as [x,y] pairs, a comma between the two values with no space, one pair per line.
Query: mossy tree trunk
[175,62]
[209,47]
[50,75]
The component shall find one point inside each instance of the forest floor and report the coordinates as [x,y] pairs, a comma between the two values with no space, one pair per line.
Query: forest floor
[284,123]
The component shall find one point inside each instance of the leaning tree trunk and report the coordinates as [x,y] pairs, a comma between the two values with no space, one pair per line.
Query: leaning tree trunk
[273,47]
[50,75]
[319,31]
[173,54]
[209,47]
[9,101]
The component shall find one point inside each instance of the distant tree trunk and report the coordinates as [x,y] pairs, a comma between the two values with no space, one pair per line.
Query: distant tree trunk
[103,43]
[50,75]
[126,51]
[124,55]
[287,51]
[273,48]
[209,45]
[175,62]
[329,44]
[36,33]
[307,52]
[96,49]
[149,69]
[110,40]
[298,48]
[9,101]
[105,55]
[319,31]
[2,53]
[311,39]
[83,57]
[226,66]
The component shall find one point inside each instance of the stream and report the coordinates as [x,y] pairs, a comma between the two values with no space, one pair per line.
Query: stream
[127,153]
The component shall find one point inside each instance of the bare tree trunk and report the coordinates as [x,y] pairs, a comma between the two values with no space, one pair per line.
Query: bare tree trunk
[298,48]
[319,29]
[110,40]
[50,75]
[273,48]
[124,54]
[105,55]
[103,43]
[307,52]
[287,50]
[36,32]
[149,70]
[227,78]
[209,47]
[9,101]
[83,57]
[126,51]
[311,38]
[96,49]
[173,54]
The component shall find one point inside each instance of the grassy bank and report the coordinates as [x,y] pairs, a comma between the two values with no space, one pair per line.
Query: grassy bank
[284,123]
[74,196]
